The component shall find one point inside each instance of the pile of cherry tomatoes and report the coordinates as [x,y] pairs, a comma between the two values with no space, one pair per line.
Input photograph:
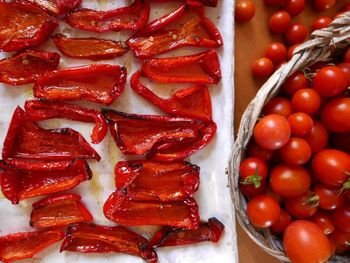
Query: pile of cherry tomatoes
[296,174]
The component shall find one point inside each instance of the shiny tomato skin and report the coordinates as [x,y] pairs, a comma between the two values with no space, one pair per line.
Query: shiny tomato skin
[322,5]
[262,68]
[306,100]
[255,150]
[324,221]
[330,198]
[318,137]
[296,152]
[244,11]
[295,82]
[329,81]
[278,105]
[294,7]
[282,223]
[279,22]
[345,67]
[296,33]
[341,218]
[263,211]
[272,132]
[335,115]
[300,123]
[289,180]
[304,242]
[301,207]
[276,52]
[321,22]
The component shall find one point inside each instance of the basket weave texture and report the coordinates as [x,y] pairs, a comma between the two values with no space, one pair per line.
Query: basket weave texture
[320,47]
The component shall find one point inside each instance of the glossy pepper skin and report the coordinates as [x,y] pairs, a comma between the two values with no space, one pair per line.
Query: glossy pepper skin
[155,181]
[25,67]
[131,18]
[90,48]
[193,102]
[23,25]
[208,231]
[162,34]
[42,110]
[36,178]
[201,68]
[162,138]
[90,238]
[60,210]
[26,140]
[121,209]
[26,244]
[56,7]
[100,83]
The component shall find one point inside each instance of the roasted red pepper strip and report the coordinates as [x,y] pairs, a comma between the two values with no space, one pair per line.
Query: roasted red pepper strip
[61,210]
[167,236]
[156,181]
[201,68]
[132,18]
[121,209]
[184,27]
[23,25]
[90,238]
[56,7]
[26,244]
[42,110]
[193,102]
[26,67]
[100,83]
[90,48]
[25,140]
[42,178]
[163,138]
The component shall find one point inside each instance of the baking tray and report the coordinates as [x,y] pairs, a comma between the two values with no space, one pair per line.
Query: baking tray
[213,195]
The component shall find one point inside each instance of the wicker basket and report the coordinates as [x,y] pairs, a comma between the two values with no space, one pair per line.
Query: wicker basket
[320,48]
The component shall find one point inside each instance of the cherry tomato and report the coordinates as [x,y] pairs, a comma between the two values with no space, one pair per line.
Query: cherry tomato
[272,132]
[263,211]
[295,82]
[324,221]
[345,67]
[250,191]
[255,150]
[330,198]
[305,242]
[289,180]
[302,207]
[296,152]
[341,218]
[317,138]
[245,11]
[335,115]
[331,166]
[322,5]
[276,52]
[329,81]
[321,22]
[341,240]
[278,105]
[341,141]
[262,68]
[282,222]
[306,100]
[296,33]
[279,22]
[274,2]
[347,55]
[290,52]
[294,7]
[300,123]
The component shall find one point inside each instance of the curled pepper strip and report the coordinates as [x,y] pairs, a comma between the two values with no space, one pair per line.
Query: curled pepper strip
[184,27]
[201,68]
[100,83]
[121,209]
[131,18]
[42,110]
[23,25]
[193,102]
[167,236]
[162,138]
[60,210]
[26,244]
[25,140]
[156,181]
[90,238]
[90,48]
[56,7]
[30,180]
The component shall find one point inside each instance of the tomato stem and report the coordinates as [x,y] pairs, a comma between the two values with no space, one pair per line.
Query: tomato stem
[313,200]
[254,179]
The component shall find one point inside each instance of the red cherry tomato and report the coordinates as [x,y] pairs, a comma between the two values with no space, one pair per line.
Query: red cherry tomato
[290,52]
[322,5]
[296,152]
[341,240]
[331,166]
[289,180]
[347,54]
[330,198]
[345,67]
[245,11]
[295,82]
[294,7]
[321,22]
[263,211]
[306,100]
[262,68]
[255,150]
[304,242]
[300,123]
[279,22]
[324,221]
[296,33]
[341,141]
[329,81]
[317,138]
[276,52]
[282,222]
[274,2]
[250,191]
[335,115]
[278,105]
[341,218]
[302,207]
[272,132]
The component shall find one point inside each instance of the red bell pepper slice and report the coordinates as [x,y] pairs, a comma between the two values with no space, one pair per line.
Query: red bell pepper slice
[193,102]
[201,68]
[60,210]
[56,7]
[41,178]
[42,110]
[100,83]
[23,25]
[184,27]
[26,140]
[90,48]
[167,236]
[90,238]
[26,244]
[121,209]
[131,18]
[26,67]
[156,181]
[162,138]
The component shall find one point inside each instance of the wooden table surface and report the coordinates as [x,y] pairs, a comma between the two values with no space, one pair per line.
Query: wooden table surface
[251,39]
